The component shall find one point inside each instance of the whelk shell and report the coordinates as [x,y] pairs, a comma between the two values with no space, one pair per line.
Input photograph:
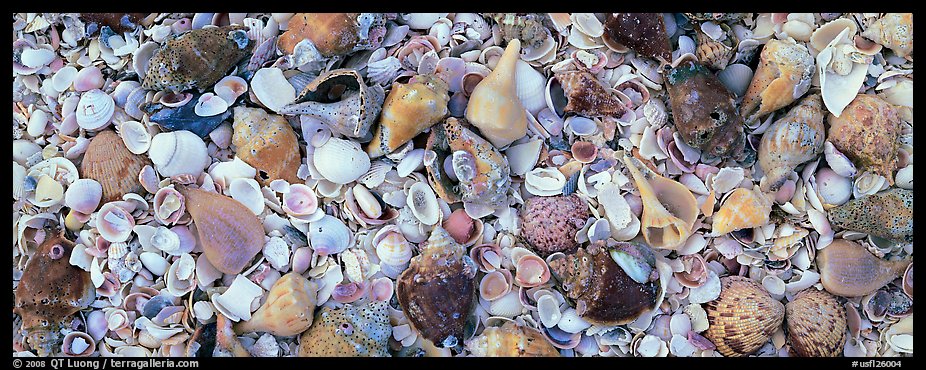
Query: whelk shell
[268,143]
[783,75]
[661,227]
[494,106]
[409,110]
[743,208]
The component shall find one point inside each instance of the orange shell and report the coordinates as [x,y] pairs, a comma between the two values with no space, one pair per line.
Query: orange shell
[742,209]
[110,163]
[268,143]
[783,66]
[511,340]
[331,33]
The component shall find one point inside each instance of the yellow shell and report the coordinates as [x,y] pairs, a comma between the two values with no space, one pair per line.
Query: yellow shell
[816,324]
[494,106]
[511,340]
[894,30]
[742,209]
[268,143]
[409,110]
[848,270]
[784,74]
[743,318]
[110,163]
[289,308]
[669,208]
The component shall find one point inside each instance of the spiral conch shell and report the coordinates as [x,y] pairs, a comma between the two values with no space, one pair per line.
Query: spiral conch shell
[743,318]
[230,234]
[587,96]
[816,324]
[334,33]
[494,106]
[267,142]
[895,31]
[848,270]
[790,141]
[197,59]
[868,132]
[743,208]
[350,112]
[348,331]
[669,208]
[784,73]
[511,340]
[409,110]
[289,308]
[888,214]
[481,171]
[437,290]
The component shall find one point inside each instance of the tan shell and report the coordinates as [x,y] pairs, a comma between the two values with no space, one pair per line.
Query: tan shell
[784,74]
[895,31]
[409,110]
[482,171]
[669,208]
[494,106]
[348,331]
[743,318]
[267,142]
[848,270]
[868,132]
[888,214]
[350,111]
[790,141]
[110,163]
[198,58]
[511,340]
[289,308]
[816,324]
[587,96]
[743,208]
[331,33]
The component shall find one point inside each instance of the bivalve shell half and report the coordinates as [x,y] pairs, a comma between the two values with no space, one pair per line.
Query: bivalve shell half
[178,152]
[743,318]
[95,110]
[114,166]
[136,137]
[83,195]
[341,161]
[816,324]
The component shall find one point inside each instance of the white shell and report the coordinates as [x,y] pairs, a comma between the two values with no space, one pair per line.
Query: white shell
[230,88]
[422,21]
[178,152]
[531,84]
[247,191]
[616,208]
[329,235]
[141,57]
[832,188]
[411,162]
[78,344]
[235,303]
[272,88]
[209,105]
[114,223]
[341,161]
[548,308]
[508,305]
[133,102]
[570,322]
[19,182]
[587,23]
[180,277]
[423,203]
[135,136]
[223,173]
[544,181]
[367,202]
[34,58]
[276,251]
[522,157]
[95,110]
[904,178]
[707,292]
[736,77]
[866,184]
[83,195]
[165,240]
[391,246]
[839,90]
[37,123]
[581,126]
[23,149]
[838,162]
[154,262]
[63,79]
[88,79]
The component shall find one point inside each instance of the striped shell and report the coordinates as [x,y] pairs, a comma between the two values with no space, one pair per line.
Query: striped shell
[816,324]
[743,318]
[110,163]
[511,340]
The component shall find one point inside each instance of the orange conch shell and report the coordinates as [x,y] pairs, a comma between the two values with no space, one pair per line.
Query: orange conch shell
[268,143]
[409,110]
[511,340]
[230,234]
[743,208]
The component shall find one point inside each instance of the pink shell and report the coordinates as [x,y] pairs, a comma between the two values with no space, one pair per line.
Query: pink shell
[99,248]
[347,293]
[159,198]
[181,25]
[174,100]
[302,258]
[532,271]
[88,79]
[785,192]
[483,254]
[495,285]
[695,271]
[460,226]
[300,201]
[187,240]
[96,325]
[114,223]
[148,178]
[69,340]
[382,289]
[110,285]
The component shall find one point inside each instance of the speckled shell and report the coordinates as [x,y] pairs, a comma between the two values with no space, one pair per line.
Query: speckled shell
[743,318]
[267,142]
[705,114]
[605,295]
[816,324]
[230,234]
[490,173]
[743,208]
[888,214]
[50,291]
[586,96]
[351,113]
[511,340]
[792,140]
[895,31]
[783,75]
[550,224]
[348,331]
[409,110]
[437,290]
[868,132]
[110,163]
[288,310]
[528,28]
[334,33]
[645,33]
[848,270]
[196,59]
[713,54]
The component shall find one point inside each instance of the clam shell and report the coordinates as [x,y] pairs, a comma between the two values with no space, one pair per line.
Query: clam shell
[135,136]
[341,161]
[848,270]
[110,163]
[494,285]
[210,105]
[531,84]
[78,344]
[114,223]
[88,79]
[247,191]
[95,110]
[329,235]
[423,203]
[391,247]
[178,152]
[83,195]
[509,305]
[743,318]
[62,80]
[816,324]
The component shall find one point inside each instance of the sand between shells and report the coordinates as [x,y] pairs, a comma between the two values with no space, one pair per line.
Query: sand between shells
[463,184]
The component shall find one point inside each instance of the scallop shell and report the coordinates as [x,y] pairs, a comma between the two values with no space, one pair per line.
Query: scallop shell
[531,84]
[95,110]
[178,152]
[88,79]
[784,74]
[409,110]
[110,163]
[743,318]
[288,309]
[341,161]
[511,340]
[736,77]
[229,233]
[268,143]
[816,324]
[494,106]
[848,270]
[661,227]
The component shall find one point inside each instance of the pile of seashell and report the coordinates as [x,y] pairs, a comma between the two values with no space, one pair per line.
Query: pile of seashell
[456,184]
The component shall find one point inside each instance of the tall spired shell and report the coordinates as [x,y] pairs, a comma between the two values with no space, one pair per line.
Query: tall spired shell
[888,214]
[511,340]
[437,290]
[868,132]
[481,171]
[110,163]
[230,234]
[790,141]
[645,33]
[816,324]
[848,270]
[704,110]
[743,318]
[50,291]
[268,143]
[348,331]
[197,59]
[409,110]
[494,106]
[669,208]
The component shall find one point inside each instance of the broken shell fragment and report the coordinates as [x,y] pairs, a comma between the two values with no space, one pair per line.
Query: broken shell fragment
[867,132]
[585,95]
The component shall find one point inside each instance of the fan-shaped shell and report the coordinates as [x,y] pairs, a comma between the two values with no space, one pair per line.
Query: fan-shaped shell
[743,318]
[230,234]
[341,161]
[95,110]
[83,195]
[329,235]
[816,324]
[110,163]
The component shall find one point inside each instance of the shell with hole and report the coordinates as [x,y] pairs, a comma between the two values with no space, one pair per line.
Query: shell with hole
[478,172]
[669,208]
[348,331]
[816,324]
[743,208]
[196,59]
[409,110]
[494,106]
[334,33]
[792,140]
[341,100]
[784,73]
[268,143]
[110,163]
[511,340]
[848,270]
[645,33]
[743,318]
[288,310]
[868,132]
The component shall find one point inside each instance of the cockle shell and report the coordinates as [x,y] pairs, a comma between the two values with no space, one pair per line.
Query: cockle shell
[893,30]
[704,110]
[743,208]
[341,100]
[887,214]
[136,137]
[669,208]
[736,77]
[229,233]
[268,143]
[816,324]
[645,33]
[585,95]
[743,318]
[348,331]
[409,110]
[288,309]
[83,195]
[51,290]
[110,163]
[391,246]
[95,110]
[481,171]
[196,59]
[848,270]
[178,152]
[341,161]
[329,235]
[168,205]
[784,74]
[867,132]
[494,106]
[511,340]
[334,33]
[437,290]
[792,140]
[550,224]
[606,293]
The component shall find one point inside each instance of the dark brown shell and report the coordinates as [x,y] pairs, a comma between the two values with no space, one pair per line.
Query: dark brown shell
[550,224]
[197,59]
[645,33]
[868,132]
[816,324]
[704,110]
[437,290]
[119,22]
[605,295]
[110,163]
[743,318]
[588,97]
[50,291]
[490,180]
[888,214]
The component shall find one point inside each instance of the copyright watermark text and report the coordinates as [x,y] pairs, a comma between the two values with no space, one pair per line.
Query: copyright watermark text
[101,363]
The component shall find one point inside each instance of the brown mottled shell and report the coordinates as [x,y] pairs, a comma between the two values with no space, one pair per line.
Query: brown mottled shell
[110,163]
[267,142]
[587,96]
[50,291]
[645,33]
[511,340]
[490,178]
[888,214]
[196,59]
[847,269]
[528,28]
[713,54]
[437,290]
[783,75]
[408,110]
[868,132]
[792,140]
[743,318]
[605,295]
[332,33]
[348,331]
[705,114]
[119,22]
[230,234]
[816,324]
[550,224]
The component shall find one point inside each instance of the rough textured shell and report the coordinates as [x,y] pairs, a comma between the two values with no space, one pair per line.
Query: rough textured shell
[334,33]
[645,33]
[895,31]
[349,112]
[341,161]
[587,96]
[704,110]
[348,331]
[743,318]
[267,142]
[867,132]
[550,224]
[288,309]
[230,234]
[790,141]
[110,163]
[816,324]
[511,340]
[409,110]
[888,214]
[482,171]
[196,59]
[848,270]
[784,74]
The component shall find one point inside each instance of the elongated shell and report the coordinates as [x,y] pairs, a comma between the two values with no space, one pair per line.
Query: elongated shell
[230,234]
[888,214]
[511,340]
[288,310]
[494,106]
[409,110]
[790,141]
[743,208]
[848,270]
[349,112]
[669,208]
[743,318]
[341,161]
[110,163]
[267,142]
[784,74]
[816,324]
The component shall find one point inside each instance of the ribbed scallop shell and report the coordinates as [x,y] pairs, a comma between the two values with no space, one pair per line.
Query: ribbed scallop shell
[511,340]
[816,324]
[110,163]
[743,318]
[267,142]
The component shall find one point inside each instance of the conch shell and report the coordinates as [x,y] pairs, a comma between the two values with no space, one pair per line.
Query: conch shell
[197,59]
[409,110]
[481,171]
[848,270]
[437,290]
[868,132]
[348,331]
[784,73]
[743,208]
[888,214]
[705,114]
[645,33]
[669,208]
[230,234]
[743,318]
[511,340]
[267,142]
[341,100]
[334,33]
[494,106]
[790,141]
[587,96]
[289,308]
[816,324]
[893,30]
